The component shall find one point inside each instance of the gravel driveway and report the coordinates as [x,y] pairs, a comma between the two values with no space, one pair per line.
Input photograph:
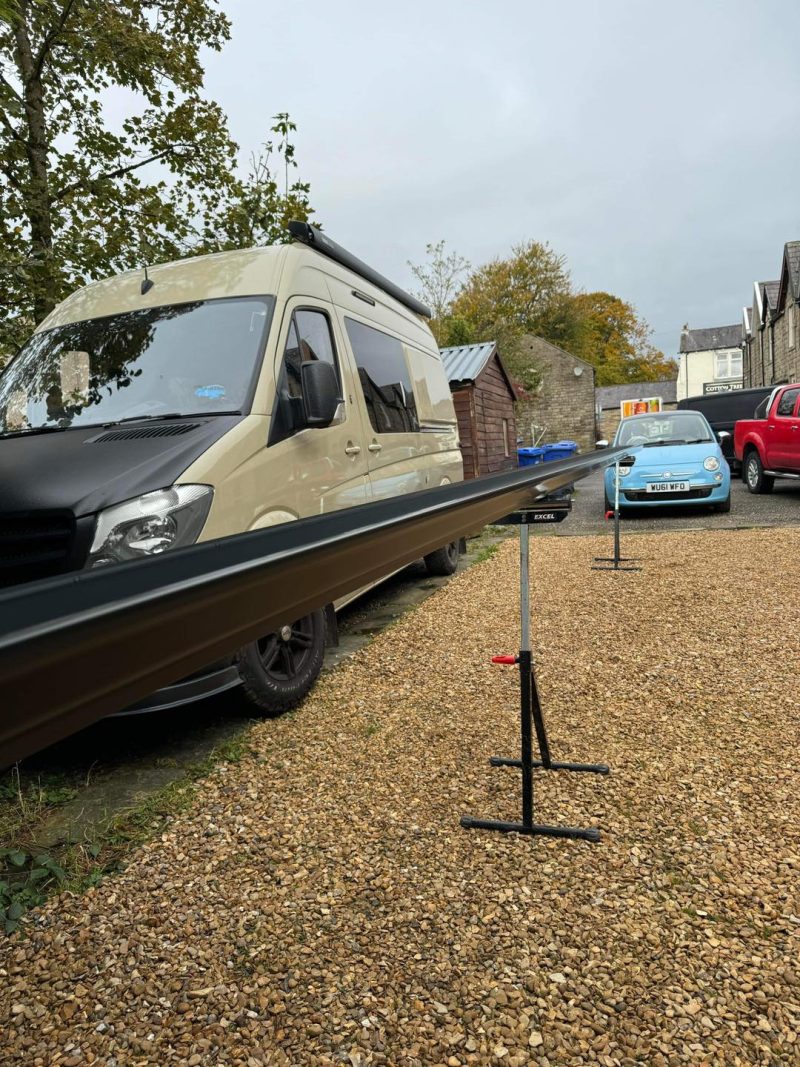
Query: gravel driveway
[321,905]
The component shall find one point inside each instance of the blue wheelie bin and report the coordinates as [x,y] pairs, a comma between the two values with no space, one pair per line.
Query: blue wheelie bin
[527,457]
[561,450]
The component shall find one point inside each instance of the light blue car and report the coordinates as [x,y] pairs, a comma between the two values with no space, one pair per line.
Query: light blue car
[677,460]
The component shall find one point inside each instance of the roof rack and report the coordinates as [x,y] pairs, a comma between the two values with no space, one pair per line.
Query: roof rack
[316,239]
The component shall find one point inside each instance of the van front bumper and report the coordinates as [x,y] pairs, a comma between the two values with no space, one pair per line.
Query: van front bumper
[207,683]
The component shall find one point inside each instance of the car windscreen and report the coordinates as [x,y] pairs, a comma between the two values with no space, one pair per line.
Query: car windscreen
[195,358]
[679,429]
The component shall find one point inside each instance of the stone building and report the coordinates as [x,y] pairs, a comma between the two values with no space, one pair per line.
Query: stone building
[483,396]
[608,399]
[563,406]
[710,360]
[770,334]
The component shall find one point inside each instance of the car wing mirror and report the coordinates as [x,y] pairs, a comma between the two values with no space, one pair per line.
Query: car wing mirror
[321,399]
[602,443]
[723,435]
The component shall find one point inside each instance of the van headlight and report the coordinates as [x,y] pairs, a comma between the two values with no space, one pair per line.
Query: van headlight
[711,463]
[150,524]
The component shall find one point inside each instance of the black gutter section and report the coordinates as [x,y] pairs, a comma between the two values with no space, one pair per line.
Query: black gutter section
[77,647]
[320,242]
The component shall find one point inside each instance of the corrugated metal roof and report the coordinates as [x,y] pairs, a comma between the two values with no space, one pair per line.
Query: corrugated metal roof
[463,363]
[712,337]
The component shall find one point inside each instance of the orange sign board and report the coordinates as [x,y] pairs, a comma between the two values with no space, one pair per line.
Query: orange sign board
[644,406]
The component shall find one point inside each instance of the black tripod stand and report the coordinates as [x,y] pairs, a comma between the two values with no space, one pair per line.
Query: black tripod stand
[531,716]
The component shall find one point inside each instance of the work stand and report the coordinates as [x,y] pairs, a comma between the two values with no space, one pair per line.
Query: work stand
[531,717]
[616,559]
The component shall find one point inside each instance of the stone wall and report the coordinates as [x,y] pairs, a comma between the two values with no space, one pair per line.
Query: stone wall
[563,407]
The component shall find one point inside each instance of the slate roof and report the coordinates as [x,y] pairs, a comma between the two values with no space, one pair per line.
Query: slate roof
[789,287]
[711,337]
[793,260]
[771,294]
[463,363]
[610,396]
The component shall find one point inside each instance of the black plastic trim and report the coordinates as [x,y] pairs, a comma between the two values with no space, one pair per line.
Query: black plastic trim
[320,242]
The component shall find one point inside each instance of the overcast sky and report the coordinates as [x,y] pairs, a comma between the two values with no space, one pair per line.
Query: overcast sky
[656,145]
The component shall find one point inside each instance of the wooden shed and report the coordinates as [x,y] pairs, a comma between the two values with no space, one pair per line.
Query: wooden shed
[484,401]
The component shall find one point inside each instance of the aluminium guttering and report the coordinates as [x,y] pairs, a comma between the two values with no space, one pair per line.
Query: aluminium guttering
[78,647]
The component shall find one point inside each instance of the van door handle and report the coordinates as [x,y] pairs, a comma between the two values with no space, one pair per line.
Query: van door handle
[352,450]
[374,447]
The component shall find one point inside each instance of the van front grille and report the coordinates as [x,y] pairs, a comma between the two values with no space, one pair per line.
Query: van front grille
[34,545]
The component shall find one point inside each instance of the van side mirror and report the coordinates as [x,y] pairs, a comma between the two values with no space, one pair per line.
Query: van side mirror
[722,436]
[320,393]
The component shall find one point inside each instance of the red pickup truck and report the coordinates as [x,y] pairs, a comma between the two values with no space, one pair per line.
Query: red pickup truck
[768,446]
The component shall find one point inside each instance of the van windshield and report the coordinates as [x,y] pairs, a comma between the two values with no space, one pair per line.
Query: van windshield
[198,358]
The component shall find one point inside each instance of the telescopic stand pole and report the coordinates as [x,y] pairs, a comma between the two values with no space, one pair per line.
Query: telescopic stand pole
[531,716]
[616,559]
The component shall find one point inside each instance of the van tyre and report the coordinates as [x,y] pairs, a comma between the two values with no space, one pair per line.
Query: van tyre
[755,478]
[443,561]
[278,671]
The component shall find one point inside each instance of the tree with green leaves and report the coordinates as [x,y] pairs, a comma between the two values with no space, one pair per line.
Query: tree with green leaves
[82,199]
[529,292]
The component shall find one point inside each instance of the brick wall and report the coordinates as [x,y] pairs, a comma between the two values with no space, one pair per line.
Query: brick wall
[787,358]
[564,405]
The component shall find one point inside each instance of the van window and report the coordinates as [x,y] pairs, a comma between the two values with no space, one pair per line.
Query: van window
[198,358]
[787,402]
[309,339]
[385,379]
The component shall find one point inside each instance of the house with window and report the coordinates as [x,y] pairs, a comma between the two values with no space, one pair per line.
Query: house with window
[710,360]
[771,326]
[483,396]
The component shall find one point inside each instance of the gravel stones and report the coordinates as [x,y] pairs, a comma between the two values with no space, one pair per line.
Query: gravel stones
[320,904]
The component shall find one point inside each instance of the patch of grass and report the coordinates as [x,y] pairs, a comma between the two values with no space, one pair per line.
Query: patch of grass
[29,874]
[486,553]
[372,727]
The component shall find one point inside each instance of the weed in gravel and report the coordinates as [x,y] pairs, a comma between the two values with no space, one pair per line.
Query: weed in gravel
[29,874]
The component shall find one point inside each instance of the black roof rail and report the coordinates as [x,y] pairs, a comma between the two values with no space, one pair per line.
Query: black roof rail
[316,239]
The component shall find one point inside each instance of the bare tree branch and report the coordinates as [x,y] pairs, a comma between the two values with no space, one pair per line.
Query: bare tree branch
[119,172]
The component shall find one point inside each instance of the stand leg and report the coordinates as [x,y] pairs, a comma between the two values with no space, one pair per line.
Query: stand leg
[531,717]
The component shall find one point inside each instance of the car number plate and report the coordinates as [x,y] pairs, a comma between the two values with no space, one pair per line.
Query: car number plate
[668,487]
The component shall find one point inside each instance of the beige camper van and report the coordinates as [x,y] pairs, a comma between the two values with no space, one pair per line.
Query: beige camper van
[216,395]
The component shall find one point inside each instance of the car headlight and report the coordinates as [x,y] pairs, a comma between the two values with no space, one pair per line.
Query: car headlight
[150,524]
[711,463]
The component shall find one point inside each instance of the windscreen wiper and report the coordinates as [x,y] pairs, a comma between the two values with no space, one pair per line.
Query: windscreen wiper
[30,431]
[170,415]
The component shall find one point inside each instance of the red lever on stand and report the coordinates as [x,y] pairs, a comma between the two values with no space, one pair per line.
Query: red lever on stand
[505,659]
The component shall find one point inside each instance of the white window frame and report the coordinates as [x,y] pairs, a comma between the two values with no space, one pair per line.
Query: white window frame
[728,358]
